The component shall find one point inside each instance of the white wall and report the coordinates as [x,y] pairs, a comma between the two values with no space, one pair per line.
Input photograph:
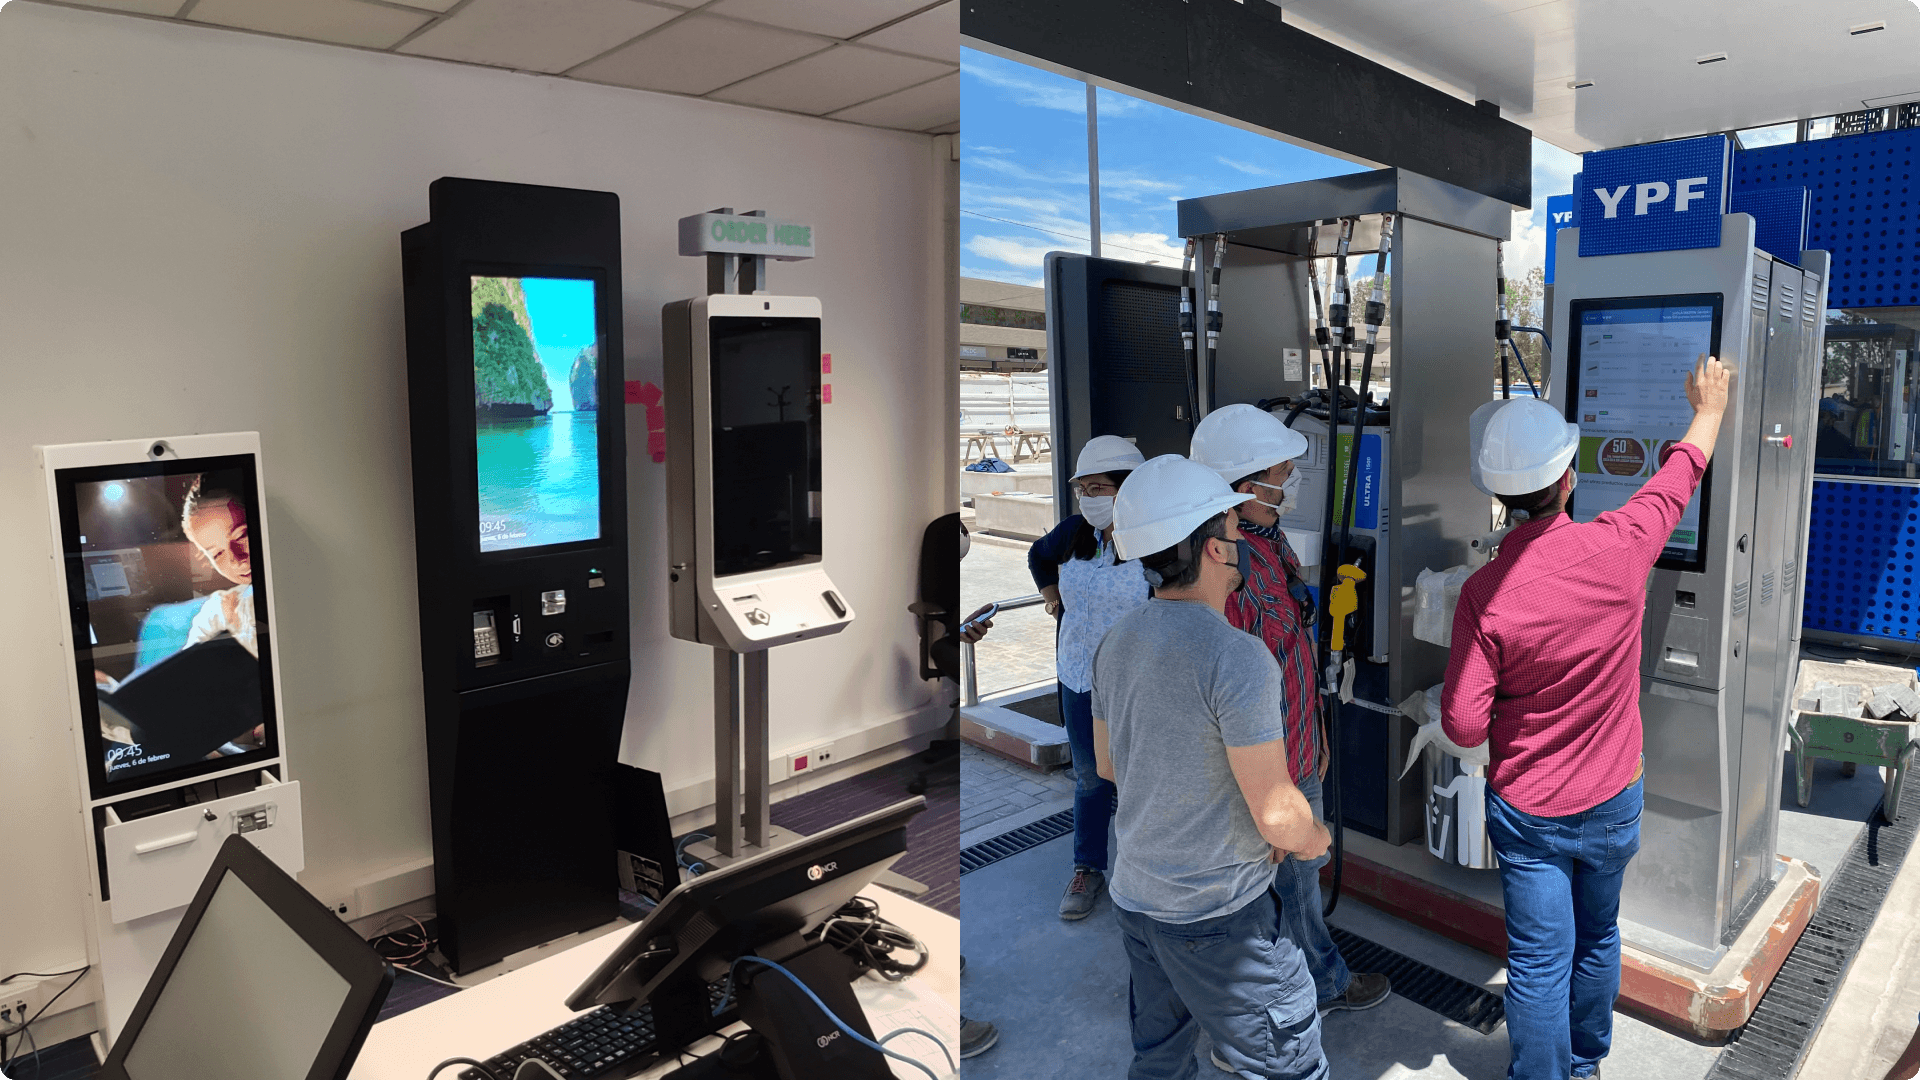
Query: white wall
[200,231]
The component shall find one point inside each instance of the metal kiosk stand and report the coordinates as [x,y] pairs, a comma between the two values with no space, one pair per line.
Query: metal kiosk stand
[742,375]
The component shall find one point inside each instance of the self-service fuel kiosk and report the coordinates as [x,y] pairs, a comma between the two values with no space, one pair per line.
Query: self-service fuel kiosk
[1721,629]
[1720,638]
[745,516]
[520,519]
[166,600]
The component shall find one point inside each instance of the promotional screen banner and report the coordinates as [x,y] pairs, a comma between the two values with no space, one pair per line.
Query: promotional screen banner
[170,633]
[1631,404]
[536,407]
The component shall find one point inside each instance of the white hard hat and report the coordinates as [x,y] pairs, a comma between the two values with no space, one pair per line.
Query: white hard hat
[1239,440]
[1525,447]
[1105,454]
[1164,501]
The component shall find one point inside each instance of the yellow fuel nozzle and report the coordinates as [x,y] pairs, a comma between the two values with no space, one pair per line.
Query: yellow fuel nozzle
[1344,602]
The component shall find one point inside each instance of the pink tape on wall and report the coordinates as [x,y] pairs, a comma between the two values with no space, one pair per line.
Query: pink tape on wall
[648,395]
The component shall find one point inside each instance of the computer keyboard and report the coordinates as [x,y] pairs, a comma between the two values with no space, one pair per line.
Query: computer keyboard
[599,1045]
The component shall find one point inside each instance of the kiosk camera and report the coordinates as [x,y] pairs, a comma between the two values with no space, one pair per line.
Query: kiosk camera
[161,564]
[513,346]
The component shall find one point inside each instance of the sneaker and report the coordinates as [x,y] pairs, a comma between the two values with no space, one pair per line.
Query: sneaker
[1363,992]
[976,1037]
[1082,891]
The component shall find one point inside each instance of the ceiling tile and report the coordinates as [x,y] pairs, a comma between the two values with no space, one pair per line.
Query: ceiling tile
[537,35]
[338,22]
[934,33]
[917,108]
[697,54]
[842,76]
[946,129]
[164,8]
[834,18]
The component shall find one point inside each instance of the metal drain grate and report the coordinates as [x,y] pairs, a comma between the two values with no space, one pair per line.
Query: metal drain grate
[1776,1037]
[1455,999]
[988,852]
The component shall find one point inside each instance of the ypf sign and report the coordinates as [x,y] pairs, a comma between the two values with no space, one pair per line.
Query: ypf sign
[1660,197]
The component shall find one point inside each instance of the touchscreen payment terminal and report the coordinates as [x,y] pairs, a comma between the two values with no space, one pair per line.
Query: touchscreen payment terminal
[1626,380]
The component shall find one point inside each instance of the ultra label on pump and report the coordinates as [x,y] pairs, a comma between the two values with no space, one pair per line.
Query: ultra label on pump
[1366,501]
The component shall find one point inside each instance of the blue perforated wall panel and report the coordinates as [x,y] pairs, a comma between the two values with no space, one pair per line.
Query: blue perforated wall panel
[1862,558]
[1864,210]
[1779,218]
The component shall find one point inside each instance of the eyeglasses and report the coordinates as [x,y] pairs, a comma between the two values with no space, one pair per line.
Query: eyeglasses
[1096,490]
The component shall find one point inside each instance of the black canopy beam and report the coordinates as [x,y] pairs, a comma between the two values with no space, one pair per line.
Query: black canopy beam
[1240,61]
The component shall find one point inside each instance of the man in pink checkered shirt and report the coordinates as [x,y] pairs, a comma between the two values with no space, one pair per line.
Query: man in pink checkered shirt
[1546,670]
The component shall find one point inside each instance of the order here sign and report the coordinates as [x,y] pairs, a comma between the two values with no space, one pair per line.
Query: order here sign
[1660,197]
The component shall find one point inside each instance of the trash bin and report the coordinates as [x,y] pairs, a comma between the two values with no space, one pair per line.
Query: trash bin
[1456,803]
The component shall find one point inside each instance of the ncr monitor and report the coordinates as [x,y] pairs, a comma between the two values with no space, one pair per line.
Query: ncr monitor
[744,467]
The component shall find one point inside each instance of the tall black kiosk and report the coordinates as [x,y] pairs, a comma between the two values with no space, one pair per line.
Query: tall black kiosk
[519,494]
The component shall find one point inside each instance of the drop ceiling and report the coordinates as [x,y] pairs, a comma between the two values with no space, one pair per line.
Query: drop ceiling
[1784,59]
[882,63]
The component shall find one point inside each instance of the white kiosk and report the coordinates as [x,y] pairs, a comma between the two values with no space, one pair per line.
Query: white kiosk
[743,401]
[165,594]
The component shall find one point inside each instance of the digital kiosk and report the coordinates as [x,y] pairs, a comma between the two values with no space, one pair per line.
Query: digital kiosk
[166,596]
[520,512]
[1720,638]
[745,572]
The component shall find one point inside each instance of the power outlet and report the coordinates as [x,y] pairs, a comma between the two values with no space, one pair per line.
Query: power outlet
[22,998]
[808,760]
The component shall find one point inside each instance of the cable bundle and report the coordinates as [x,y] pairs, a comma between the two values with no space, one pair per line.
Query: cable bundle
[858,931]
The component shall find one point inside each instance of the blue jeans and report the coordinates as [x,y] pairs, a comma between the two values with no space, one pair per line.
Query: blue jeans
[1235,977]
[1093,798]
[1561,879]
[1297,884]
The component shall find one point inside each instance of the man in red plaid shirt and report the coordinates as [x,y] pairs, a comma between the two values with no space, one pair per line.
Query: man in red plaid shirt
[1251,449]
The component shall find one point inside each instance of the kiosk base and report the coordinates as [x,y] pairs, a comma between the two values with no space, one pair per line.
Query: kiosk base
[1709,1004]
[791,1038]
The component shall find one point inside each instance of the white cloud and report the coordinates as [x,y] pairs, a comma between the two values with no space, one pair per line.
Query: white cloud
[1011,277]
[1243,166]
[1143,247]
[1018,250]
[1528,248]
[990,149]
[1070,97]
[1021,172]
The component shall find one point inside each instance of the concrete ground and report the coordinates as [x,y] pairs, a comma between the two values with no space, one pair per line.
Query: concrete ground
[1019,648]
[1058,991]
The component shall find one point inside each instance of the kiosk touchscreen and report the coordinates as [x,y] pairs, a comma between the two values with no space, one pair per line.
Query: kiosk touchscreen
[744,395]
[536,412]
[1626,373]
[171,646]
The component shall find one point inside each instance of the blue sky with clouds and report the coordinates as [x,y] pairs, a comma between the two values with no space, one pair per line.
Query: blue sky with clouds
[1024,179]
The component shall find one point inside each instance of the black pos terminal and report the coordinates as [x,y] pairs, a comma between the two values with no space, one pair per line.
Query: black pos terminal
[519,487]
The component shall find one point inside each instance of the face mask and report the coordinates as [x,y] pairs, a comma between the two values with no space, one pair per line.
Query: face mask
[1244,551]
[1097,509]
[1289,492]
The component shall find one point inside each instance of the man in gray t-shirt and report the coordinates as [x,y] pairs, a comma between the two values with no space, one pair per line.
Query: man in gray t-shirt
[1188,723]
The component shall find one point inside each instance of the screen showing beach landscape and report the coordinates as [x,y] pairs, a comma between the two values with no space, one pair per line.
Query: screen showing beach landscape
[536,408]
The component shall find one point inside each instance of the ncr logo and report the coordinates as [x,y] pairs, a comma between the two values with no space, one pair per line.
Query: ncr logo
[1650,194]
